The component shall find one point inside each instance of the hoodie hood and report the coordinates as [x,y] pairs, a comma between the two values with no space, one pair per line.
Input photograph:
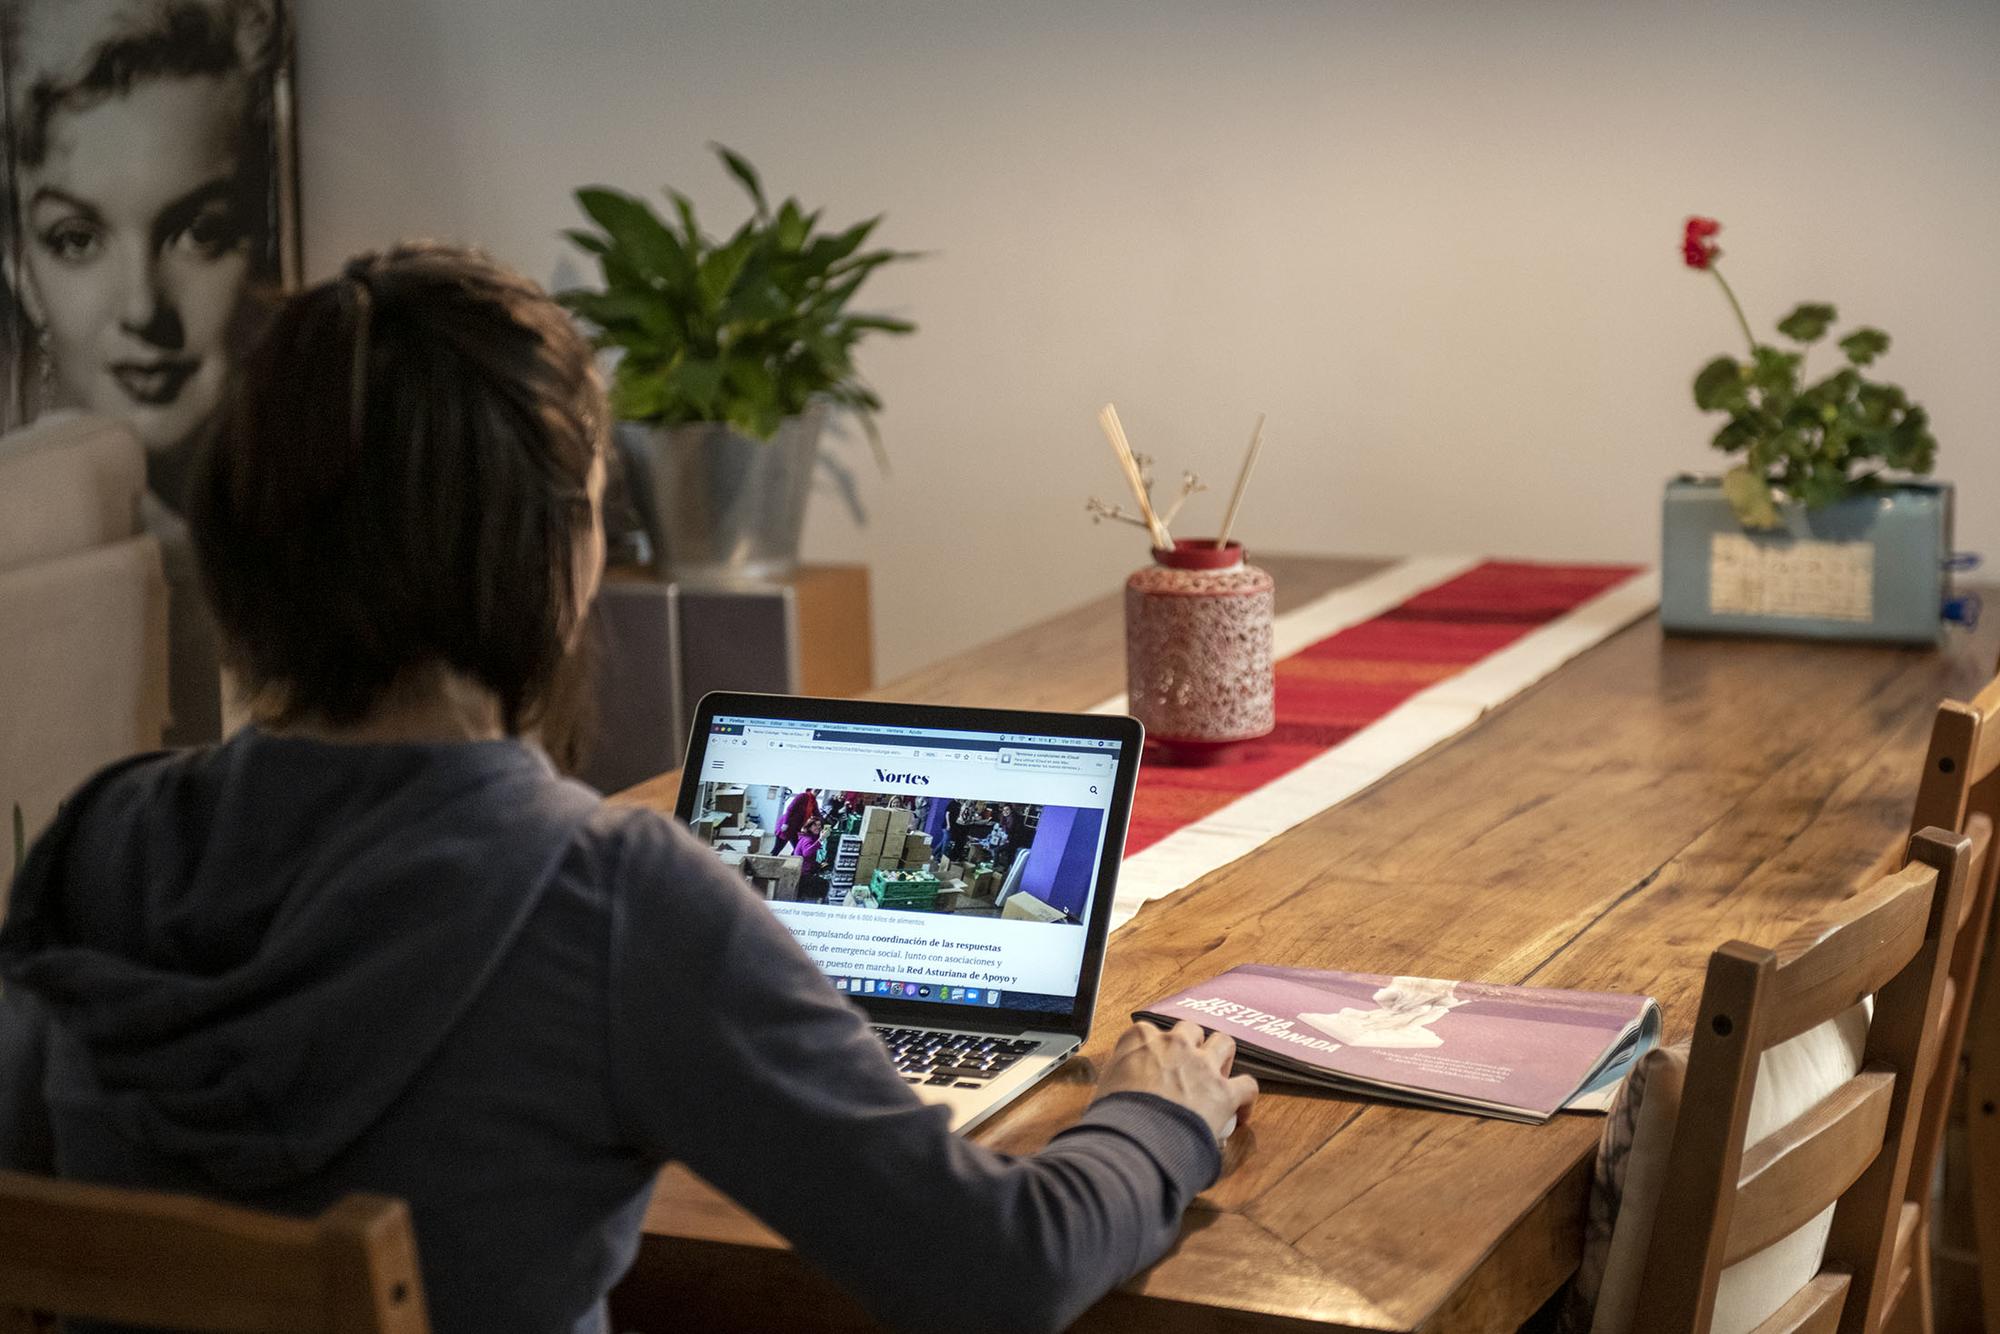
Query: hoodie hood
[249,951]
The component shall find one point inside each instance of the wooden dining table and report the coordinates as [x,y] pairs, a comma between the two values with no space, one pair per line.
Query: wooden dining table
[1605,830]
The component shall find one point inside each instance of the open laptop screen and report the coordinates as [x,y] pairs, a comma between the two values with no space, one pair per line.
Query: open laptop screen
[920,866]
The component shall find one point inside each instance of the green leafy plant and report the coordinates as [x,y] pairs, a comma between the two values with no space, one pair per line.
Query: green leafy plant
[749,330]
[1817,442]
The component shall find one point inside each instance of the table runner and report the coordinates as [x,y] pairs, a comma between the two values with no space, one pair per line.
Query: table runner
[1369,677]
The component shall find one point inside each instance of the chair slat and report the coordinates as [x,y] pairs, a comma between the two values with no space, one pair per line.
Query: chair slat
[1794,1173]
[1980,829]
[1823,972]
[1987,701]
[71,1248]
[1986,753]
[153,1259]
[371,1250]
[1813,1309]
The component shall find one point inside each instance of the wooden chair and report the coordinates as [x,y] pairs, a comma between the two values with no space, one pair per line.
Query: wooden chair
[1721,1204]
[142,1258]
[1960,790]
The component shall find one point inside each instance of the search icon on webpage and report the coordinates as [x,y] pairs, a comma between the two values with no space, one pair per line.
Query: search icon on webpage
[1093,789]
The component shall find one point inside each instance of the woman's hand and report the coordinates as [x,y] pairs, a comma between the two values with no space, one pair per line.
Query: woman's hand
[1183,1065]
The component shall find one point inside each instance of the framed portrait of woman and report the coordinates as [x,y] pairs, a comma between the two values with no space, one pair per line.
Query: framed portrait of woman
[151,215]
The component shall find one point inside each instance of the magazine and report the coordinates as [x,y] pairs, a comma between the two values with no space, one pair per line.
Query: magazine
[1520,1053]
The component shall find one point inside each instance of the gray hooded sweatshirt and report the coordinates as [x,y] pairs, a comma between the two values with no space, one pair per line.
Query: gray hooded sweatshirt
[277,970]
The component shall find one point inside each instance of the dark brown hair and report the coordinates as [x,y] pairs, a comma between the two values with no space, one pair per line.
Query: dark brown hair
[398,482]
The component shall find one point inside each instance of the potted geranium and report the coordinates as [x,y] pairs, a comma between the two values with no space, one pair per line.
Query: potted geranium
[732,354]
[1819,528]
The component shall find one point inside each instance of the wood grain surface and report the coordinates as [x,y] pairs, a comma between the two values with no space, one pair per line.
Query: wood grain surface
[1606,830]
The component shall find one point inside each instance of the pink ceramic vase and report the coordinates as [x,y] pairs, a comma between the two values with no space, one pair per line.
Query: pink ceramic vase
[1198,650]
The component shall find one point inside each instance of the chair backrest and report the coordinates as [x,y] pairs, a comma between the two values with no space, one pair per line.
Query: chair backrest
[172,1261]
[1724,1201]
[1960,791]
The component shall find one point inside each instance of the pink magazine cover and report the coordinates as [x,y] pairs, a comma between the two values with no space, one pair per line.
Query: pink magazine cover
[1521,1052]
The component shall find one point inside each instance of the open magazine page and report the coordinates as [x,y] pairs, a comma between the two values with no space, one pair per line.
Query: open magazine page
[1519,1052]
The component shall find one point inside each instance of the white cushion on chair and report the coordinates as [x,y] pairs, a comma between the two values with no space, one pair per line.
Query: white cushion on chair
[1792,1078]
[84,682]
[83,610]
[68,483]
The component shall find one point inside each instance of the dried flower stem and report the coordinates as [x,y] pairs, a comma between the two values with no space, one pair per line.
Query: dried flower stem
[1190,485]
[1098,511]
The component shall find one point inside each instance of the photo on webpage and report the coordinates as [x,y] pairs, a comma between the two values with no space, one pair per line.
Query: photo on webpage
[895,852]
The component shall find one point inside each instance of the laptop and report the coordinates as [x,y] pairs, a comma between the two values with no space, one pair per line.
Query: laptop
[950,870]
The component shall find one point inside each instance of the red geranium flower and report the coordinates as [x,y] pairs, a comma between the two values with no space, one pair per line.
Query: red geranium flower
[1698,250]
[1701,253]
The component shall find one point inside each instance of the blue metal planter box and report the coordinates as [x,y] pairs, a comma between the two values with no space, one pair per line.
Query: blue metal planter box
[1875,567]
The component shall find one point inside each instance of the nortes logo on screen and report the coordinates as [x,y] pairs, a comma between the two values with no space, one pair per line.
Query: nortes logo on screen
[914,780]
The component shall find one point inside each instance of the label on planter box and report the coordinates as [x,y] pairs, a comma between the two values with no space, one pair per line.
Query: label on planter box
[1832,581]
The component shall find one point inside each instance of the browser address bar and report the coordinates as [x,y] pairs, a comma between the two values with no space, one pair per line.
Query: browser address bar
[833,748]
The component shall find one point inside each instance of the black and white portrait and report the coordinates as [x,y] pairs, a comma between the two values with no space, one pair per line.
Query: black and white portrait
[151,216]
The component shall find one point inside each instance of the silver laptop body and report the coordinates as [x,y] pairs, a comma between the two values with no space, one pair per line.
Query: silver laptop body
[950,870]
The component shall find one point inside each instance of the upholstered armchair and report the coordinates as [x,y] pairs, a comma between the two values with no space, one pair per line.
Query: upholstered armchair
[83,610]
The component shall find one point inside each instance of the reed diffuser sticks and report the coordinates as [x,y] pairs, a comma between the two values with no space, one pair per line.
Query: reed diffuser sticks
[1114,431]
[1242,480]
[1154,521]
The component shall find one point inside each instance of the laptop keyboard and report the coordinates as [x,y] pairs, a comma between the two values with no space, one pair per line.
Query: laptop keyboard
[955,1060]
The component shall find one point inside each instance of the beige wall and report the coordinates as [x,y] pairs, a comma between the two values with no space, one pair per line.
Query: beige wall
[1436,242]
